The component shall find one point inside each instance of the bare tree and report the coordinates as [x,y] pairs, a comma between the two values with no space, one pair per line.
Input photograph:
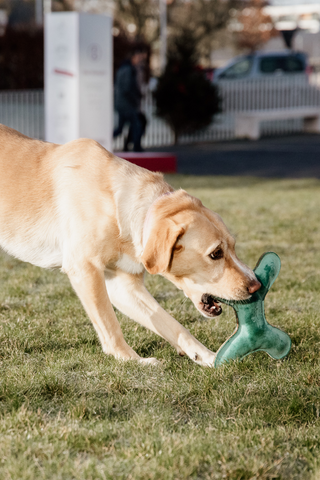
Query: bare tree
[254,27]
[141,16]
[206,18]
[139,19]
[93,6]
[62,5]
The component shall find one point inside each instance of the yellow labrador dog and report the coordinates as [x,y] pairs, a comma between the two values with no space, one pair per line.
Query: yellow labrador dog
[104,221]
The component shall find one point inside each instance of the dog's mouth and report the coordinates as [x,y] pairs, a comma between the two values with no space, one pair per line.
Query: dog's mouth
[210,306]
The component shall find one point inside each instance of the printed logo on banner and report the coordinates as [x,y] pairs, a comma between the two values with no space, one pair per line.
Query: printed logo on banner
[94,52]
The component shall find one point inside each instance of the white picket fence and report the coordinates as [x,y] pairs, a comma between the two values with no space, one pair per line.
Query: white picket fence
[24,110]
[245,95]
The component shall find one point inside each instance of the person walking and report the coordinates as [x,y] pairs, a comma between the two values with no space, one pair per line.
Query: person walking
[128,97]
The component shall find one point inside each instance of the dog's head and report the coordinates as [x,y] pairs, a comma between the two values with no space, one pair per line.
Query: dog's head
[191,246]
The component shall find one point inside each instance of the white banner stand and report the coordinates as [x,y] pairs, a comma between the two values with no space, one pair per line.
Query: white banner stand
[78,77]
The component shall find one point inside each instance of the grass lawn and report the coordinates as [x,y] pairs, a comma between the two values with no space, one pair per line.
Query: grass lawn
[67,411]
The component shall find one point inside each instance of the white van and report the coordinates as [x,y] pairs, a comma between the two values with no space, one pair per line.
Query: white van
[263,65]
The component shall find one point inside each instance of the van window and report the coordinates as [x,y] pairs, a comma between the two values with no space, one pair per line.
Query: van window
[293,64]
[238,70]
[288,64]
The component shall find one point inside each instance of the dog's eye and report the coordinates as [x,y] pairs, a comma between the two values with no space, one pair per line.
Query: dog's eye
[216,254]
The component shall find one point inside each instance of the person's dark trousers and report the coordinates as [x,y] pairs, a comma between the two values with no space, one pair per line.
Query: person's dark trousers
[135,127]
[121,123]
[129,139]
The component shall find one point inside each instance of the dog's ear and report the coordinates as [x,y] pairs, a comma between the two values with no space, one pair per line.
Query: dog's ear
[158,251]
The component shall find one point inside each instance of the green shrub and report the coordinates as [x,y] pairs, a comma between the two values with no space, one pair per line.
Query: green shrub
[184,97]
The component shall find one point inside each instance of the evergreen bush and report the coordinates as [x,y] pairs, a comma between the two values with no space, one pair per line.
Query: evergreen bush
[184,97]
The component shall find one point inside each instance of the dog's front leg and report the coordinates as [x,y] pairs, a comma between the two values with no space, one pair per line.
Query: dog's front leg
[128,293]
[88,282]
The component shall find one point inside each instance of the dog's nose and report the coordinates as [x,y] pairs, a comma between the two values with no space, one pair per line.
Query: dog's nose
[254,286]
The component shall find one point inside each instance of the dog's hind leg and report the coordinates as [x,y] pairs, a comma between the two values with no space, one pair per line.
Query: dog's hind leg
[88,282]
[128,293]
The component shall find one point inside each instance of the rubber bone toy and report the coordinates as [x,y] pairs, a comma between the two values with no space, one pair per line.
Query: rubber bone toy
[253,332]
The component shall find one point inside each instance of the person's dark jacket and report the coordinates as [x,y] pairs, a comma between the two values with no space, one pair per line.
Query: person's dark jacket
[127,91]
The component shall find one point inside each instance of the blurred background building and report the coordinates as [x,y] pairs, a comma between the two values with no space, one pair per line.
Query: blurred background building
[295,20]
[219,30]
[302,18]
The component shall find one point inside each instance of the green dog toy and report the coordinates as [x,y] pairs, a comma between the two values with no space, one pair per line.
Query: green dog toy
[253,332]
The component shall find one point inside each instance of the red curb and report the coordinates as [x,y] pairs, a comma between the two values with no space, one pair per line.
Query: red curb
[154,161]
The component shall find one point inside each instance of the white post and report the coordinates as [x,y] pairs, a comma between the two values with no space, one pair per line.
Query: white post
[38,12]
[163,33]
[78,77]
[47,7]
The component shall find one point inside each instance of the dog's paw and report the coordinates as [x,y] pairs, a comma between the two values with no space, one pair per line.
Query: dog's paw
[149,361]
[206,360]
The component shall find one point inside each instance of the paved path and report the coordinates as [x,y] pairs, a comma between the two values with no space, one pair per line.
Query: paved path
[293,156]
